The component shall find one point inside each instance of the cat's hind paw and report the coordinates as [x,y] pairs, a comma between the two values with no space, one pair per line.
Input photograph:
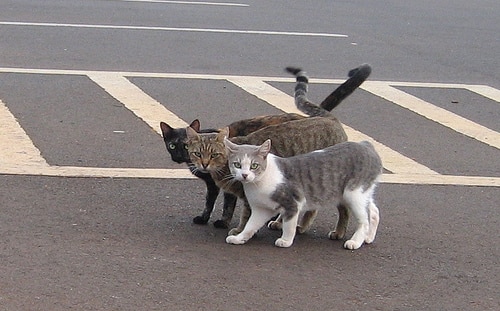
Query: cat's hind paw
[334,235]
[370,237]
[235,231]
[234,239]
[220,224]
[283,243]
[275,225]
[302,230]
[351,244]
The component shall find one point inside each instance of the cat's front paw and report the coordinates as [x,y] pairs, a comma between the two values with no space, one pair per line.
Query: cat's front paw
[351,244]
[234,239]
[283,243]
[200,220]
[274,225]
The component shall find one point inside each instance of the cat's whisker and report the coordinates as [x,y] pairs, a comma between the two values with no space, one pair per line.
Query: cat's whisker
[228,177]
[194,169]
[229,180]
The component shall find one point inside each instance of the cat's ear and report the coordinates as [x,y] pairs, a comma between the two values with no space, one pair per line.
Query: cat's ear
[265,148]
[223,133]
[191,133]
[195,125]
[230,145]
[165,129]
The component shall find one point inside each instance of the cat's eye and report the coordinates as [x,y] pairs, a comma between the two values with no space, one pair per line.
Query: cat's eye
[196,154]
[171,146]
[185,146]
[215,155]
[254,166]
[237,164]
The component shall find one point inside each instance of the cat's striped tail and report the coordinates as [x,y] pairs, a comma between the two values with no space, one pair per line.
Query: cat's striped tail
[301,100]
[356,77]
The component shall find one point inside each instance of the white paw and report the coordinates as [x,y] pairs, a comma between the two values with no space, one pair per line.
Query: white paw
[234,239]
[351,244]
[370,239]
[283,243]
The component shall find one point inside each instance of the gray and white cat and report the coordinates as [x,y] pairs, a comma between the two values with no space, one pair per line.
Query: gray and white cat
[346,174]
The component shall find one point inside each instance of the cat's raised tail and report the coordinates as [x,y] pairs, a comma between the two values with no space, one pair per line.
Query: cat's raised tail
[356,77]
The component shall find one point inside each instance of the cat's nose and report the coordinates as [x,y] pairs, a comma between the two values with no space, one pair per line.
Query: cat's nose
[244,176]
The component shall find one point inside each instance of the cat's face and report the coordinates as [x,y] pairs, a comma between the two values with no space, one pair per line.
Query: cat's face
[247,163]
[176,141]
[207,151]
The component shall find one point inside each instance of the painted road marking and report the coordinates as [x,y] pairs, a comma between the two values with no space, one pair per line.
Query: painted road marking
[19,155]
[434,113]
[486,91]
[16,148]
[135,100]
[483,90]
[437,179]
[211,30]
[188,2]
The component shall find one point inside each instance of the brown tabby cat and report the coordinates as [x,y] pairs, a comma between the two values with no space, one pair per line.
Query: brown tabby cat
[208,153]
[175,139]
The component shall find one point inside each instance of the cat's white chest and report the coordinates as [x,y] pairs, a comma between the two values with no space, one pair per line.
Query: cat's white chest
[259,193]
[257,196]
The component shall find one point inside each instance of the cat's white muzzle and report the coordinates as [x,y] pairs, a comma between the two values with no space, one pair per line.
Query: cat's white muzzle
[245,177]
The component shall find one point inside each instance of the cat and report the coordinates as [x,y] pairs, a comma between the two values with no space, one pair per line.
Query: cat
[346,173]
[175,139]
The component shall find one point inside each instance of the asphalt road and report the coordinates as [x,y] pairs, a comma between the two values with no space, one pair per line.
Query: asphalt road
[71,72]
